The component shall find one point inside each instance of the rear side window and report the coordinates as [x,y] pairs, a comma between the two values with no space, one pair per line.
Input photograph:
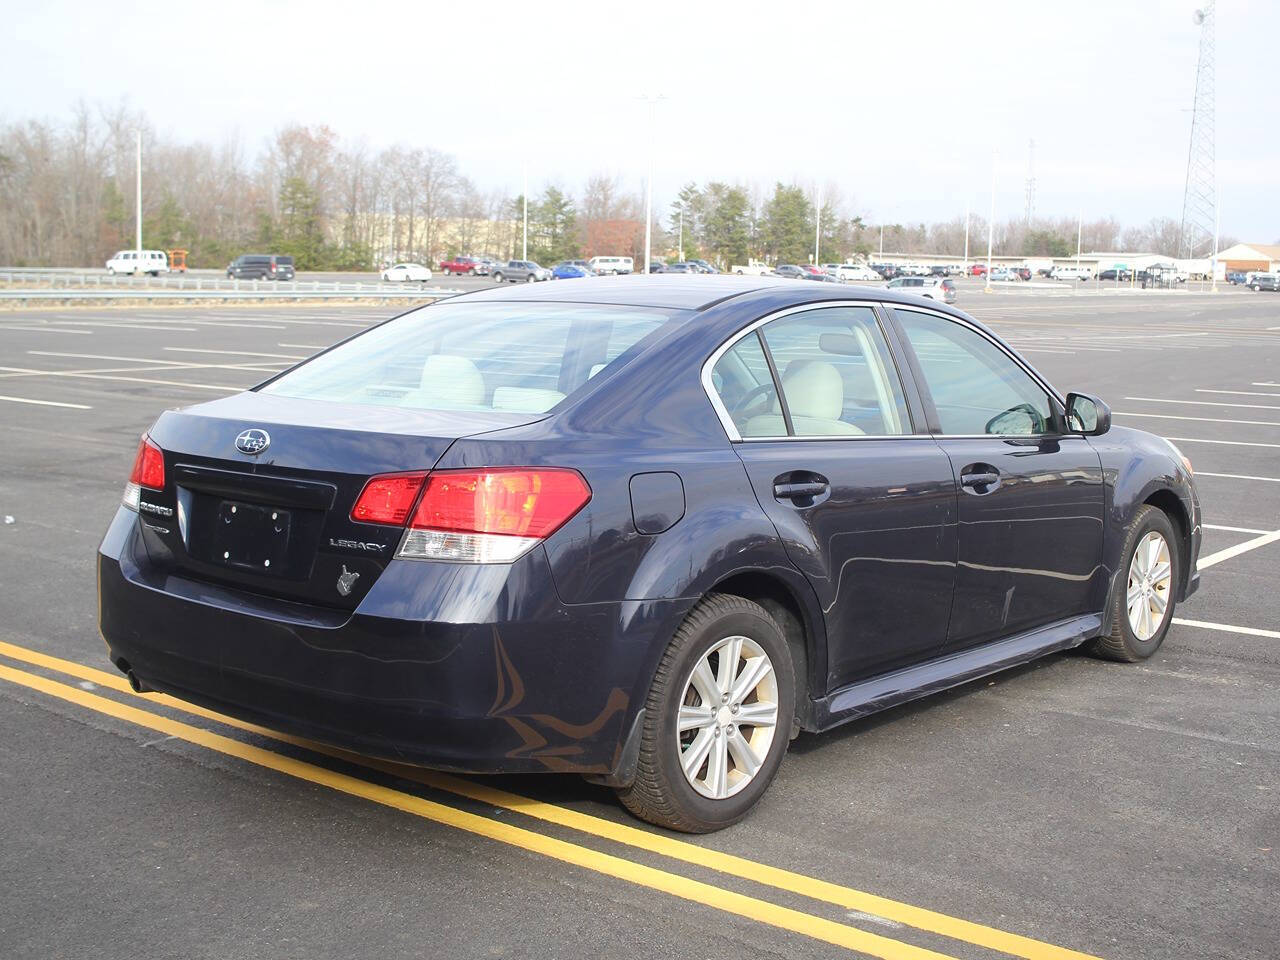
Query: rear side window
[517,357]
[837,374]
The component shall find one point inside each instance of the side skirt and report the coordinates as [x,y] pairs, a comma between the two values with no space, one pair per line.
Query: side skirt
[911,683]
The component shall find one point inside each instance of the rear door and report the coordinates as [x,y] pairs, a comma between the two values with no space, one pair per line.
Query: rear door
[1031,497]
[864,504]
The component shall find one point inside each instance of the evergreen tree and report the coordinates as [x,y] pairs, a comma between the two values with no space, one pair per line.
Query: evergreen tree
[786,228]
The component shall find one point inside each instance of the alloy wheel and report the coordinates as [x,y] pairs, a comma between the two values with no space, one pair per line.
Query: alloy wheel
[1150,582]
[728,717]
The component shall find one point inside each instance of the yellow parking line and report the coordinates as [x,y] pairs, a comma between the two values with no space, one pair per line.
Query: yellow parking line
[841,896]
[696,891]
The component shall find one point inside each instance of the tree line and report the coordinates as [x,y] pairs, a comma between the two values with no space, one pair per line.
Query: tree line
[67,198]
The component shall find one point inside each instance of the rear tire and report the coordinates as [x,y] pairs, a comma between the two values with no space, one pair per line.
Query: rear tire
[663,793]
[1129,640]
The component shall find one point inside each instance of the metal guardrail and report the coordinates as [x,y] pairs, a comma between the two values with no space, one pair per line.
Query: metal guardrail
[63,279]
[68,295]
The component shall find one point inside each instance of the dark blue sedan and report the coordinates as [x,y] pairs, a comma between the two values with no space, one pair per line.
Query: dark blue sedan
[569,271]
[643,530]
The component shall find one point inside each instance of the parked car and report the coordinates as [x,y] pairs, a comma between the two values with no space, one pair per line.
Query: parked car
[978,270]
[887,271]
[680,267]
[1235,276]
[133,262]
[526,270]
[790,271]
[703,266]
[1120,275]
[955,269]
[856,272]
[568,270]
[1023,273]
[657,266]
[457,540]
[583,264]
[1265,281]
[931,288]
[462,265]
[752,268]
[1004,274]
[261,266]
[938,270]
[611,265]
[407,272]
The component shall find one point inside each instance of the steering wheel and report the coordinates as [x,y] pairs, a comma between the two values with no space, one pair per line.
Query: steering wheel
[752,395]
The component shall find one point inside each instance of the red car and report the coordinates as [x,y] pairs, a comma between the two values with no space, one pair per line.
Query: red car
[810,269]
[467,265]
[978,270]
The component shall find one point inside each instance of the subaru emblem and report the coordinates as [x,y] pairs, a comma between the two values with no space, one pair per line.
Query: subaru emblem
[253,442]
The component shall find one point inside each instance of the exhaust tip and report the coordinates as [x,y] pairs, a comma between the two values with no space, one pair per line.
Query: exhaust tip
[135,683]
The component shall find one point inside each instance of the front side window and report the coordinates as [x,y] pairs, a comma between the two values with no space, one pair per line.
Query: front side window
[837,377]
[522,358]
[976,387]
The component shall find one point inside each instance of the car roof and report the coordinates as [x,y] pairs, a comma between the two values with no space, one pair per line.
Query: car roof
[686,291]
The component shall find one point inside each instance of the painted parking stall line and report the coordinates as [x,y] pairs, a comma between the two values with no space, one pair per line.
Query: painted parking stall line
[718,898]
[847,898]
[47,403]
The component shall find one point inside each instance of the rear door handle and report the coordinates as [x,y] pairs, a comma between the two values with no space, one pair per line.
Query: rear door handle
[794,491]
[980,479]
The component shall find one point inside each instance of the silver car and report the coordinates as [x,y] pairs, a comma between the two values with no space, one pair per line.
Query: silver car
[514,270]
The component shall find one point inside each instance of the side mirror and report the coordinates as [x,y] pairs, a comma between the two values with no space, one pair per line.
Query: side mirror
[1087,415]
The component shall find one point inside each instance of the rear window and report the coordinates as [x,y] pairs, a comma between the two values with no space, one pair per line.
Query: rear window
[516,357]
[284,261]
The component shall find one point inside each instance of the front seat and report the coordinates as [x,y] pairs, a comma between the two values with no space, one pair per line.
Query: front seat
[815,398]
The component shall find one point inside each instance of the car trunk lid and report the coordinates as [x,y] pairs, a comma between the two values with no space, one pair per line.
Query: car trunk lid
[277,522]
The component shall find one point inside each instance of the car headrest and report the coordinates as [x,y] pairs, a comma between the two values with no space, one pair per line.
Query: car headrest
[455,379]
[814,389]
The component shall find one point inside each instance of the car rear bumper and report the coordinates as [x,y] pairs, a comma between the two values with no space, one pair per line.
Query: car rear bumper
[476,668]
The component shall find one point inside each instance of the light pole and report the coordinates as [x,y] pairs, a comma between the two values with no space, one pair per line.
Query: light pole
[652,100]
[1217,229]
[991,224]
[966,236]
[680,245]
[882,239]
[524,243]
[1079,235]
[817,228]
[138,192]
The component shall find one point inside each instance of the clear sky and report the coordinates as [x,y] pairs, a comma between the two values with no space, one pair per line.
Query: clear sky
[901,104]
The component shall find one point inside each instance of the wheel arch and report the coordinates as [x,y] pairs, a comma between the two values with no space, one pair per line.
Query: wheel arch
[1171,505]
[797,618]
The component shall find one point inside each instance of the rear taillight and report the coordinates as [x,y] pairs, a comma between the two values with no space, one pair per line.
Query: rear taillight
[148,471]
[388,498]
[491,516]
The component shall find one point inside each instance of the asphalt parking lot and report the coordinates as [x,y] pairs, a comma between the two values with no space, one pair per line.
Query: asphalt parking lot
[1070,808]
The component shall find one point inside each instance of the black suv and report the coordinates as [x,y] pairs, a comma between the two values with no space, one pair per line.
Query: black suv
[1265,281]
[256,266]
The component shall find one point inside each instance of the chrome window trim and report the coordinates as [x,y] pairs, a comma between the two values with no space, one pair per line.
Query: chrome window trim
[726,421]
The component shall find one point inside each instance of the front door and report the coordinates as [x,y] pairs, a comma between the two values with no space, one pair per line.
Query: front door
[864,506]
[1031,496]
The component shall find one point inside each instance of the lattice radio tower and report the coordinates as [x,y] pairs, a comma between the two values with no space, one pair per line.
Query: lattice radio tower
[1199,202]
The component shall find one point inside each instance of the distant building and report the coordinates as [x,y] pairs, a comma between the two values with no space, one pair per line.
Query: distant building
[1243,257]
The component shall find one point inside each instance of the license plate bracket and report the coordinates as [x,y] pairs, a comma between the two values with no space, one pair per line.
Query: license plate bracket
[250,536]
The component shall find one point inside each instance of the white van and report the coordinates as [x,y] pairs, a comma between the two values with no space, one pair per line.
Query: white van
[1071,273]
[134,262]
[614,265]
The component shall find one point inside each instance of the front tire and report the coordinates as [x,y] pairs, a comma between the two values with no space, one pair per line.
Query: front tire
[497,278]
[1146,591]
[718,718]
